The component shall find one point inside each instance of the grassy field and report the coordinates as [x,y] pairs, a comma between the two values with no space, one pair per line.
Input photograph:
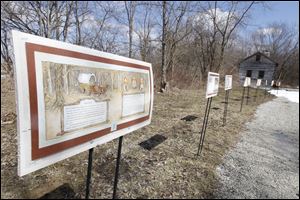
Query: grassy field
[170,170]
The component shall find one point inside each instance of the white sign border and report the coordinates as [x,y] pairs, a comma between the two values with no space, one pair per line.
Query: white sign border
[25,164]
[215,94]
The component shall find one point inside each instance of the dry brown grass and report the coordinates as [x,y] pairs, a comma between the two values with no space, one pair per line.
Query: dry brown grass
[170,170]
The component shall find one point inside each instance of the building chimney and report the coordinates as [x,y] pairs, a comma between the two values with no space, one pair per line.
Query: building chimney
[267,53]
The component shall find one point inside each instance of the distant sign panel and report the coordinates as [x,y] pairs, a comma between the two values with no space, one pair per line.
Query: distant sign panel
[212,86]
[228,82]
[258,83]
[247,82]
[272,83]
[71,98]
[279,83]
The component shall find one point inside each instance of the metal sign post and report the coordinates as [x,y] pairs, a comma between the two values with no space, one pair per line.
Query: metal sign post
[278,85]
[203,130]
[242,99]
[117,168]
[228,86]
[225,106]
[265,93]
[256,89]
[89,172]
[247,83]
[247,98]
[266,88]
[258,84]
[212,88]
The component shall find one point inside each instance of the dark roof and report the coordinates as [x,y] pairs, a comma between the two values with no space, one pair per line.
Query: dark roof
[258,53]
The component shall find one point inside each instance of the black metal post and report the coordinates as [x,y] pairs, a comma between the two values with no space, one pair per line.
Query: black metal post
[265,92]
[242,99]
[205,125]
[89,172]
[225,107]
[117,167]
[201,133]
[248,88]
[255,94]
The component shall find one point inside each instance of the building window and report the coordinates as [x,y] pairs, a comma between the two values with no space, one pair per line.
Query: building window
[261,74]
[258,57]
[249,73]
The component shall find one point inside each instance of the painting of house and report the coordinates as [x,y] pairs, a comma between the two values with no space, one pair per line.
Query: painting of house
[257,66]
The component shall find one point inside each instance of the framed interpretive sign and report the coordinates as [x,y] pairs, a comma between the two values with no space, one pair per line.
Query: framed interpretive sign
[258,83]
[71,99]
[212,86]
[247,82]
[228,82]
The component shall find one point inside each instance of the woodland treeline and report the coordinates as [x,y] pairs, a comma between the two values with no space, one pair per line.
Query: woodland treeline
[183,40]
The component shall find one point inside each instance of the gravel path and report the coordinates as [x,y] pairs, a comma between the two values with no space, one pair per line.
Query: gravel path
[265,162]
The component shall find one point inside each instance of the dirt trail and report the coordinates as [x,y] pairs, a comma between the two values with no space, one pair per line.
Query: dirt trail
[265,162]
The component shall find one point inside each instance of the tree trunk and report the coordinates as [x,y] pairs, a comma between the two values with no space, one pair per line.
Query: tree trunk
[77,22]
[163,86]
[57,22]
[130,36]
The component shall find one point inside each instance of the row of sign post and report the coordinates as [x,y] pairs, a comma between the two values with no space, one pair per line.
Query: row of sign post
[212,88]
[247,84]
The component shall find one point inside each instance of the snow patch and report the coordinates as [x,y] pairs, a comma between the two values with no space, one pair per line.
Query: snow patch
[292,96]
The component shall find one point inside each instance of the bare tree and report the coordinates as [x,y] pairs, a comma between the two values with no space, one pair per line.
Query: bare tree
[214,30]
[130,7]
[144,28]
[283,44]
[234,18]
[174,29]
[81,11]
[102,12]
[50,19]
[5,53]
